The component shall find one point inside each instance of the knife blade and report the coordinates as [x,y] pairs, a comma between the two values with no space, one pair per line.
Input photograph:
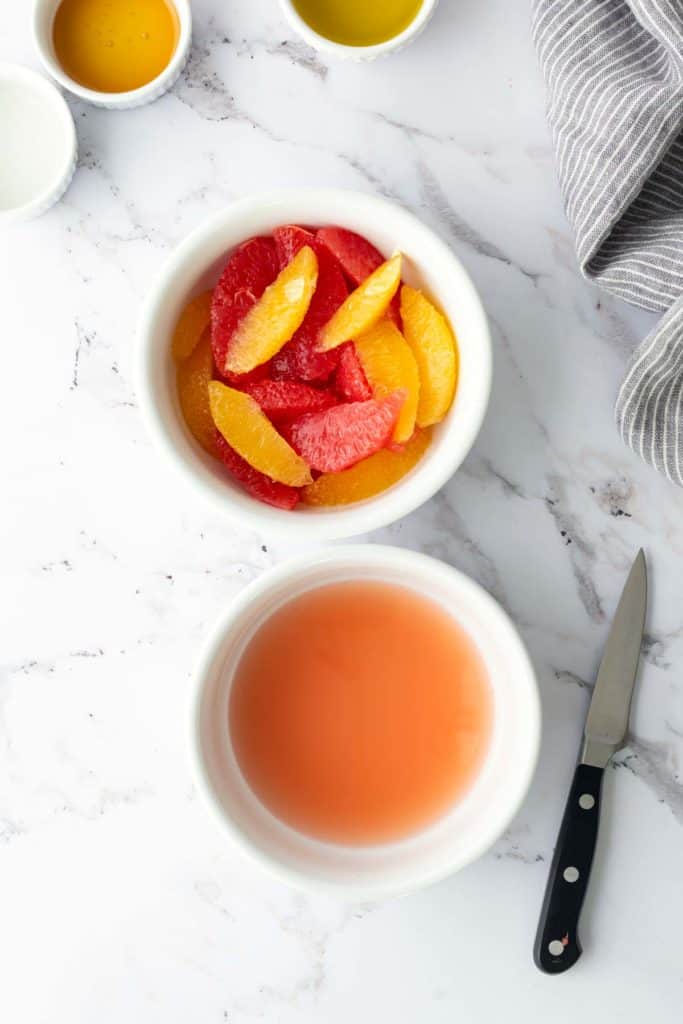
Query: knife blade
[557,946]
[608,714]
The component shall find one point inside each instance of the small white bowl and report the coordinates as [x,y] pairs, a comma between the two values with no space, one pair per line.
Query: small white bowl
[325,45]
[39,147]
[462,834]
[43,17]
[196,264]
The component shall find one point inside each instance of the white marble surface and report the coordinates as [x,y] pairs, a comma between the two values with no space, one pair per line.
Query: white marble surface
[118,899]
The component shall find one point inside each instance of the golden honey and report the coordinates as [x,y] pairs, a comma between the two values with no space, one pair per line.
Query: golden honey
[115,45]
[358,22]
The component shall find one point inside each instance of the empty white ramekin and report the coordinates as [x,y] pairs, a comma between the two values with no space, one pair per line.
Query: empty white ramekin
[196,264]
[43,17]
[328,46]
[461,835]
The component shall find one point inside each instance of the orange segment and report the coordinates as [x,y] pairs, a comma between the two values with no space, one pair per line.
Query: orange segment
[192,380]
[252,435]
[192,321]
[364,306]
[369,477]
[277,315]
[431,339]
[389,365]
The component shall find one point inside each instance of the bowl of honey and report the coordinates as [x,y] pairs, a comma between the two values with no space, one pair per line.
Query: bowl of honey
[356,29]
[114,53]
[365,721]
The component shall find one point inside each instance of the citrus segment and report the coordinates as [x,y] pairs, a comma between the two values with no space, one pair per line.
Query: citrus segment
[358,258]
[245,277]
[300,359]
[389,365]
[339,437]
[272,321]
[289,238]
[350,380]
[367,478]
[243,380]
[364,306]
[257,484]
[192,380]
[288,399]
[249,431]
[190,326]
[431,339]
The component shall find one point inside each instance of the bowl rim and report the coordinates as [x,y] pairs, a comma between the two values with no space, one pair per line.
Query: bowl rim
[51,193]
[325,45]
[132,97]
[341,521]
[419,566]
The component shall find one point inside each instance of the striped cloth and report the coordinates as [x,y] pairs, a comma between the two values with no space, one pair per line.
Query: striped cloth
[614,73]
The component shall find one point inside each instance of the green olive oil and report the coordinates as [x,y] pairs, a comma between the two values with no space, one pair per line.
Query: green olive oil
[358,22]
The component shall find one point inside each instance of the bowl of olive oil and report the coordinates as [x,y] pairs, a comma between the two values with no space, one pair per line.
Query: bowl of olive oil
[358,29]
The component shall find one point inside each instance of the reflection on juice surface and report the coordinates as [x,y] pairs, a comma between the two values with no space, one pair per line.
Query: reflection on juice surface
[360,712]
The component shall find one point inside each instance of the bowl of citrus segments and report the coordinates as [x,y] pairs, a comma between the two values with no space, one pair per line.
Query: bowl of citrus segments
[317,363]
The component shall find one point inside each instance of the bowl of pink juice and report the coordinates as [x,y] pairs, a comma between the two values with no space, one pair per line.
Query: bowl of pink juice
[365,721]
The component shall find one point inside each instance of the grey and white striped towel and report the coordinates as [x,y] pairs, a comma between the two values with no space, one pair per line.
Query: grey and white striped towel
[614,73]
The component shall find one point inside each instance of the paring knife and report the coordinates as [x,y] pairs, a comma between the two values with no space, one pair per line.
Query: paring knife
[557,946]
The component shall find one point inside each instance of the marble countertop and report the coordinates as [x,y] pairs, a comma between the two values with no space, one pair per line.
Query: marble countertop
[120,900]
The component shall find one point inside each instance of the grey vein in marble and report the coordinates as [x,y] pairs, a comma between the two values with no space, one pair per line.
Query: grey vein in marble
[301,55]
[582,555]
[654,763]
[83,340]
[436,199]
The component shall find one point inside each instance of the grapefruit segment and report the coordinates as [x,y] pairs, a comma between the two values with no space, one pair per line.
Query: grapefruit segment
[300,358]
[350,380]
[288,399]
[337,438]
[358,257]
[289,239]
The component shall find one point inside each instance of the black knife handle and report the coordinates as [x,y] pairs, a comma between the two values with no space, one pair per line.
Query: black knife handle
[557,946]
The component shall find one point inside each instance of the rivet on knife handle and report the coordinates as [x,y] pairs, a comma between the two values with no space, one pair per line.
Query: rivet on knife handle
[557,945]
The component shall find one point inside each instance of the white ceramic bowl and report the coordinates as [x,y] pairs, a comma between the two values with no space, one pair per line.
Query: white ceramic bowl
[467,830]
[195,265]
[328,46]
[38,163]
[43,16]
